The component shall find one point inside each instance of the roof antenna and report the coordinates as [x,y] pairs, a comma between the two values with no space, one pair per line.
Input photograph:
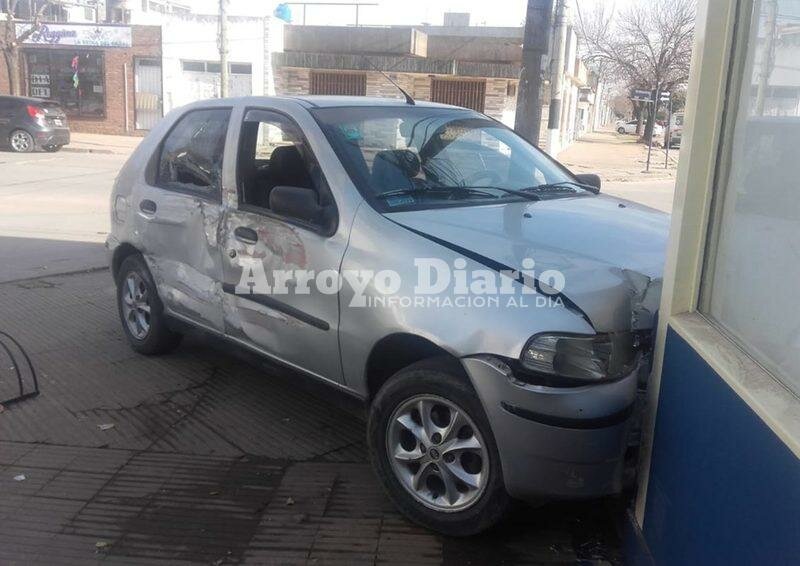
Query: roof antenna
[407,96]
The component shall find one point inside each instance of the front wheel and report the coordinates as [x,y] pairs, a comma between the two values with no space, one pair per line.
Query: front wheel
[620,130]
[433,449]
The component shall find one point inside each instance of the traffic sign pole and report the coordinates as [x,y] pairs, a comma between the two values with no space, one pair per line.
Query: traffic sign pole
[655,115]
[669,134]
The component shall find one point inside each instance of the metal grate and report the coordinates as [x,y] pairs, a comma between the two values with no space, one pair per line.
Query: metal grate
[466,93]
[352,84]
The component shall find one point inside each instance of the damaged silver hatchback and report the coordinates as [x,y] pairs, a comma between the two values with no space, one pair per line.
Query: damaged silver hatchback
[492,309]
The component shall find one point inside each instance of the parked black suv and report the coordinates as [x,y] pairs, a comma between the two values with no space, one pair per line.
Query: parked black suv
[30,123]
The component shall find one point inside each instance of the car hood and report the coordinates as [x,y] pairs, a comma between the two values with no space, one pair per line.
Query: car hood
[610,251]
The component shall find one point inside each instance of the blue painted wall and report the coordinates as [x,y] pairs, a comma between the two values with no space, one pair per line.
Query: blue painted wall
[723,488]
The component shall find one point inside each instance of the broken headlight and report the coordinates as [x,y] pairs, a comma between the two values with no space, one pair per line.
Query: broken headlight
[586,358]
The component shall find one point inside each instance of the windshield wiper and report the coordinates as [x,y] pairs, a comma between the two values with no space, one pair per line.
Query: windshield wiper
[426,190]
[473,190]
[528,196]
[560,185]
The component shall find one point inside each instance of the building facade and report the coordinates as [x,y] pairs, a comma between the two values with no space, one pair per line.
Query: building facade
[473,66]
[720,476]
[92,70]
[467,66]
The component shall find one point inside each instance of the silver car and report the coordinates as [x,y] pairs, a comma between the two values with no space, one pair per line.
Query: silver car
[493,310]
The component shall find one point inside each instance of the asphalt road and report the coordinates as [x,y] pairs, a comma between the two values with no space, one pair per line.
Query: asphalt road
[54,212]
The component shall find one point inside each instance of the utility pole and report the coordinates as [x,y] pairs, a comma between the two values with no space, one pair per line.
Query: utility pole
[767,55]
[224,78]
[534,48]
[557,79]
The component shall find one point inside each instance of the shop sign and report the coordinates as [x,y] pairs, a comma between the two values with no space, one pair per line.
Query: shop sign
[77,35]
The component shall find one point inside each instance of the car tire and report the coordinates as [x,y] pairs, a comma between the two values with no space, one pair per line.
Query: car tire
[620,130]
[21,141]
[440,389]
[52,148]
[141,310]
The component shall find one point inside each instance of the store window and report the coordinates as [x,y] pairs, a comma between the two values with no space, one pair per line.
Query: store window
[753,261]
[72,78]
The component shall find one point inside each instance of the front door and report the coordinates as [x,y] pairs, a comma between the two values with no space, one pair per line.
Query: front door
[179,212]
[292,320]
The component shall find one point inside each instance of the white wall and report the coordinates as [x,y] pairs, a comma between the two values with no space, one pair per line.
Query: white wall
[194,38]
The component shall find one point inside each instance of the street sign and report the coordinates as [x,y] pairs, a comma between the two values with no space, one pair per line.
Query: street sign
[642,95]
[664,97]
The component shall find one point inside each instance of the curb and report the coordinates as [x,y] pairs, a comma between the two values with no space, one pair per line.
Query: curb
[90,150]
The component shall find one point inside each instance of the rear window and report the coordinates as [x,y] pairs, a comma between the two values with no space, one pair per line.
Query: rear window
[191,154]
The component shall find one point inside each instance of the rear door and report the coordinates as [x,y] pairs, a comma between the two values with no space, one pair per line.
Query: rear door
[179,211]
[8,108]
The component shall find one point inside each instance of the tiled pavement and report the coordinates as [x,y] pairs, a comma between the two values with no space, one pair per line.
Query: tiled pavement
[214,457]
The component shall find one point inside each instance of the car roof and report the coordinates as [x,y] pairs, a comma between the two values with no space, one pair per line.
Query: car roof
[26,99]
[321,101]
[327,101]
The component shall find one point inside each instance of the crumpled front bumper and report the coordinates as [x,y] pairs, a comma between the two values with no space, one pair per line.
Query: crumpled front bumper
[556,442]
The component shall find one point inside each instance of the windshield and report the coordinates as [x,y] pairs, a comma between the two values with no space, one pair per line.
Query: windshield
[414,157]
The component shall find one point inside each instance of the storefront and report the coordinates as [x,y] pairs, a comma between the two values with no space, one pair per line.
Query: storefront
[720,480]
[73,78]
[102,75]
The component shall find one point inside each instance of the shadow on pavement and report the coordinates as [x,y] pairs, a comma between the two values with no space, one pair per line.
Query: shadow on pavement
[24,258]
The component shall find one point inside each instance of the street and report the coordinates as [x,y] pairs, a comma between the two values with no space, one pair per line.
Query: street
[206,455]
[54,211]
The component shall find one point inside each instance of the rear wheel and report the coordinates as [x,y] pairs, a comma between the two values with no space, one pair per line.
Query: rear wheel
[21,141]
[432,447]
[620,130]
[141,310]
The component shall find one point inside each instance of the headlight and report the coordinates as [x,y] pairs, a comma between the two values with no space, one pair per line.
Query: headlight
[588,358]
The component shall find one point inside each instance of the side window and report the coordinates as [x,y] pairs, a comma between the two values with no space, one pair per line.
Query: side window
[191,154]
[274,153]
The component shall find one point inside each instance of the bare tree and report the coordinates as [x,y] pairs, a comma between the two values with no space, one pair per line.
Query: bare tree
[647,45]
[10,42]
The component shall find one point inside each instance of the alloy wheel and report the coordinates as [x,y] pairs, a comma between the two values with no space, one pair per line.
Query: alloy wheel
[21,141]
[437,453]
[136,306]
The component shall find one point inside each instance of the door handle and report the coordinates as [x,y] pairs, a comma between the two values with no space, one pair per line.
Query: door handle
[148,206]
[246,235]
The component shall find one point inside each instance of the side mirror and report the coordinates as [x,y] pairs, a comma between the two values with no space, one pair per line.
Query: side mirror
[590,179]
[296,202]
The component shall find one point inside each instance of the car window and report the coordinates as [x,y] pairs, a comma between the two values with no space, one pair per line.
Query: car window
[273,152]
[191,154]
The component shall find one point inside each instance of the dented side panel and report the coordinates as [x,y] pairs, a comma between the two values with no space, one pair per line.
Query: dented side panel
[180,245]
[300,329]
